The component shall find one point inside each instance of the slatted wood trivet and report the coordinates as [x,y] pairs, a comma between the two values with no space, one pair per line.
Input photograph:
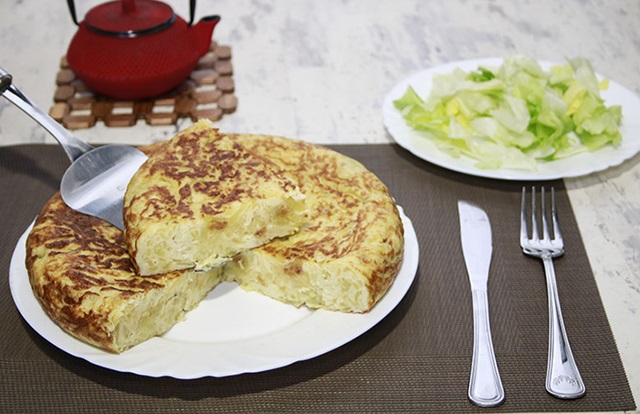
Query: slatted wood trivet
[207,93]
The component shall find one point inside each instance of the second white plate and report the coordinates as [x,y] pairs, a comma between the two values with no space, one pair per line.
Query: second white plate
[578,165]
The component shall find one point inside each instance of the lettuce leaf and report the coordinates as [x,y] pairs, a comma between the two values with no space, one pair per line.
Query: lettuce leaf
[517,114]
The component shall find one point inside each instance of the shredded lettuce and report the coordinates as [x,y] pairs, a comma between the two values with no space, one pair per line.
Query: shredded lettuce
[516,115]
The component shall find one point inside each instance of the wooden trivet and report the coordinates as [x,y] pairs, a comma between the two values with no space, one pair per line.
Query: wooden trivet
[207,93]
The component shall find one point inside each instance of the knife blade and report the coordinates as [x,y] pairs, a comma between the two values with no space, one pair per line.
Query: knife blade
[485,384]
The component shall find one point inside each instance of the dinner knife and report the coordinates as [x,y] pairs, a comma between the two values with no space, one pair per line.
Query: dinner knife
[485,385]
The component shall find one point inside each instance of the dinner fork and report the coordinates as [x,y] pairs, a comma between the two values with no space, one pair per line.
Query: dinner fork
[563,378]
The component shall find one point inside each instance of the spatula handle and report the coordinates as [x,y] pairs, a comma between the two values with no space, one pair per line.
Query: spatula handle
[73,146]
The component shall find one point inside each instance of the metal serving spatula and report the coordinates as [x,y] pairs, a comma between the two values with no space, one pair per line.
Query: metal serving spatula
[97,178]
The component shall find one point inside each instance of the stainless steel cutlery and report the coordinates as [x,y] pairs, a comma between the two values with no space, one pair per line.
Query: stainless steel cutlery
[485,385]
[563,378]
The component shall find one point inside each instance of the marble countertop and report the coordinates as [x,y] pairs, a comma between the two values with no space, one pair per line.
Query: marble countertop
[318,71]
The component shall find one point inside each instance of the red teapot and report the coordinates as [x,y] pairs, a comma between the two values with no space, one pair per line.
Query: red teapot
[136,49]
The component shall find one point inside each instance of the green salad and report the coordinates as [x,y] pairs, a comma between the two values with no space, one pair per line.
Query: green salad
[517,114]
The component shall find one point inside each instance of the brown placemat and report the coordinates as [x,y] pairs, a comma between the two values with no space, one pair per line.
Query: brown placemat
[416,360]
[207,93]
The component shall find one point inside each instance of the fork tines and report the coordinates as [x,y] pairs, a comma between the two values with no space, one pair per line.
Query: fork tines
[546,231]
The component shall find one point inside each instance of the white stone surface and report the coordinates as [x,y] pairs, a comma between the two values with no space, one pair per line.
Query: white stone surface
[318,70]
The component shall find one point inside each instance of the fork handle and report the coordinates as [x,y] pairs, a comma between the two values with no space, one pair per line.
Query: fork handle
[563,378]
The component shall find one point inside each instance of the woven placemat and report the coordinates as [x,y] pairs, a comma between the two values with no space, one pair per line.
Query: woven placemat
[207,93]
[415,360]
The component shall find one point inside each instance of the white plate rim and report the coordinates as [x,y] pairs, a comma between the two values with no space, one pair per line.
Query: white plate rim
[323,331]
[576,166]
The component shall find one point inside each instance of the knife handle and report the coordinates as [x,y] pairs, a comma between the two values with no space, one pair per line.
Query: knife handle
[485,385]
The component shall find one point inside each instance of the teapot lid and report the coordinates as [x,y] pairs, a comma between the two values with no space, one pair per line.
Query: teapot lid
[129,18]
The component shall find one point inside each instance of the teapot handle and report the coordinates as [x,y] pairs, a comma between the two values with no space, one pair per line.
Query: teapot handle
[192,11]
[72,11]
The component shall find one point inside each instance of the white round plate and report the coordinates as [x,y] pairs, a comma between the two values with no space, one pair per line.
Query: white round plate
[581,164]
[231,332]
